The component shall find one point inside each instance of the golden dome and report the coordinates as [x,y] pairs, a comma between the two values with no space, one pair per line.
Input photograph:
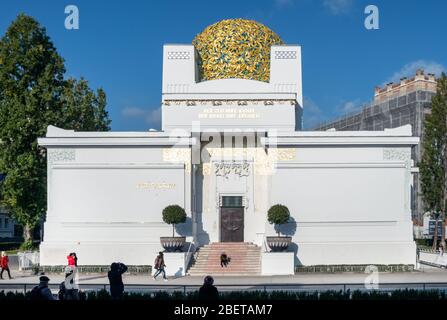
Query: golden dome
[235,48]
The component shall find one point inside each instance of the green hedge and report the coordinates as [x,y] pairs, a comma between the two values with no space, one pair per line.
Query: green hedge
[92,269]
[353,268]
[407,294]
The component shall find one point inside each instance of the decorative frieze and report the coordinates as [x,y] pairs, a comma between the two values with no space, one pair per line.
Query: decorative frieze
[263,163]
[224,169]
[285,54]
[179,55]
[228,102]
[61,155]
[398,154]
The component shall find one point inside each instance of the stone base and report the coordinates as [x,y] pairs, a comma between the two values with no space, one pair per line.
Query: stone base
[277,263]
[356,253]
[99,254]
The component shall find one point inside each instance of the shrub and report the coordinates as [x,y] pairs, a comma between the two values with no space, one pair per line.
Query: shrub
[27,245]
[399,294]
[278,214]
[174,214]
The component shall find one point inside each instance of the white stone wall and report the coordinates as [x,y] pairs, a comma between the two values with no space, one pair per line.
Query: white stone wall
[105,201]
[350,205]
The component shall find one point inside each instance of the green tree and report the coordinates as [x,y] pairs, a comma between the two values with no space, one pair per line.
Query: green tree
[174,214]
[433,166]
[82,109]
[33,95]
[278,215]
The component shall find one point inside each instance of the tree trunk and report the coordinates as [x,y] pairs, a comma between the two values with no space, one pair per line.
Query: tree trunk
[435,235]
[27,233]
[443,233]
[173,226]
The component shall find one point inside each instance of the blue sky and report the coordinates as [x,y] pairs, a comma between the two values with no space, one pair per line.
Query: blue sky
[119,46]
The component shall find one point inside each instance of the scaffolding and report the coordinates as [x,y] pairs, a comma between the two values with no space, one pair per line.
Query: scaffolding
[395,106]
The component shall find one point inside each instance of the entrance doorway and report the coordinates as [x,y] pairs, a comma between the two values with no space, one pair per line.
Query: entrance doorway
[231,219]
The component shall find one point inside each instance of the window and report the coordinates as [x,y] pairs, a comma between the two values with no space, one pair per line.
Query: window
[232,201]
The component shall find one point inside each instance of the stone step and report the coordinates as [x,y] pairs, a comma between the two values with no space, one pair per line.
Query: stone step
[245,259]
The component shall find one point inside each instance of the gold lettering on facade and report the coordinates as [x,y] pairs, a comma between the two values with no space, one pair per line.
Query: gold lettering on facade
[229,113]
[156,185]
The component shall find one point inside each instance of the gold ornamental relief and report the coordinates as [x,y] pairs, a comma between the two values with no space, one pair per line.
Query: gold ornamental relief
[283,154]
[263,163]
[177,155]
[235,48]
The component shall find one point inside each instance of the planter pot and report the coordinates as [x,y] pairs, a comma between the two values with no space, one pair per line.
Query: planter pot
[278,244]
[172,244]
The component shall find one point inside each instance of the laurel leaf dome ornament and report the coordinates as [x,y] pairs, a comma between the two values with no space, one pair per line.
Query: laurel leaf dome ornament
[235,48]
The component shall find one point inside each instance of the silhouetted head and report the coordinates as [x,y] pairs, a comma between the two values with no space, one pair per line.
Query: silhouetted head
[160,253]
[44,280]
[114,266]
[208,280]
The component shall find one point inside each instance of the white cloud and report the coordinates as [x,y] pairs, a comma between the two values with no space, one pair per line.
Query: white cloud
[131,112]
[350,106]
[151,117]
[338,7]
[154,117]
[312,113]
[409,70]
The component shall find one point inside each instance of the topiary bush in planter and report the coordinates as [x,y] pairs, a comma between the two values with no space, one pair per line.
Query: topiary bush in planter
[173,214]
[278,215]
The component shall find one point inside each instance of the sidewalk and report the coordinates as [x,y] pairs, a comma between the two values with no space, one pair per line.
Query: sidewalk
[426,275]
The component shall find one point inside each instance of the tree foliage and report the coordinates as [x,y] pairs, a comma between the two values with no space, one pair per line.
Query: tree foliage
[174,214]
[33,95]
[278,214]
[433,166]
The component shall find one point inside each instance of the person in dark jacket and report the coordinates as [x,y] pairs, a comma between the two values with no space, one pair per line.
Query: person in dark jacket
[160,266]
[208,291]
[116,281]
[41,292]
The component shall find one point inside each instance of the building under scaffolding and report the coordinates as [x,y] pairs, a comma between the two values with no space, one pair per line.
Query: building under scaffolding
[395,105]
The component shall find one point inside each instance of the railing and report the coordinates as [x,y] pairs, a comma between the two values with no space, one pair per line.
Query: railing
[432,258]
[264,243]
[313,287]
[189,255]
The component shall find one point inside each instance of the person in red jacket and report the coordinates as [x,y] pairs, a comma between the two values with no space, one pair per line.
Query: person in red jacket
[72,259]
[4,263]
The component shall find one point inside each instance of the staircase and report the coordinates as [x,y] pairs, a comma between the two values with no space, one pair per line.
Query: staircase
[245,259]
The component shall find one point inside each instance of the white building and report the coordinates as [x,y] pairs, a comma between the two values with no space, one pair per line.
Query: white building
[348,192]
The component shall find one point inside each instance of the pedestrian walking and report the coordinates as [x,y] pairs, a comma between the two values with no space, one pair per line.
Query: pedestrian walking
[160,266]
[68,288]
[4,264]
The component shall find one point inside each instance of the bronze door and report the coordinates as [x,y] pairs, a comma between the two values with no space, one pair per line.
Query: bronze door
[231,224]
